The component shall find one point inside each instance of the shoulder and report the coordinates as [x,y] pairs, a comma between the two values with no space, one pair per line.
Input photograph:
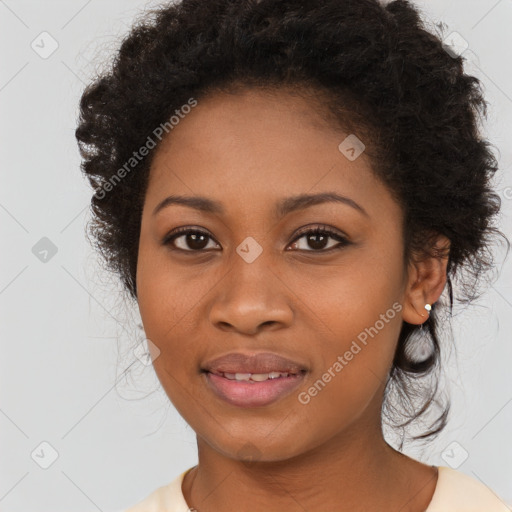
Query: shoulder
[458,492]
[168,497]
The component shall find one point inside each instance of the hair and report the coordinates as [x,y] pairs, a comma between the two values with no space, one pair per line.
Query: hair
[376,71]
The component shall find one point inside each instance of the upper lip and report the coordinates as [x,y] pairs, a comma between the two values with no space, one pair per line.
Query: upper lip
[266,362]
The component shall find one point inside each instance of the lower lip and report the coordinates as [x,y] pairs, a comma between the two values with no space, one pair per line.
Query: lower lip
[250,393]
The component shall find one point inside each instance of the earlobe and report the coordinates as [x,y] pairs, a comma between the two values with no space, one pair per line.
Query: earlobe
[427,279]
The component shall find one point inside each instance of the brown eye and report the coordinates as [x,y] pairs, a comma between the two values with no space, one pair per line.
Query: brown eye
[190,240]
[318,238]
[194,240]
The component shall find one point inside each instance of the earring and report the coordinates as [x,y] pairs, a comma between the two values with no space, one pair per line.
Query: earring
[428,307]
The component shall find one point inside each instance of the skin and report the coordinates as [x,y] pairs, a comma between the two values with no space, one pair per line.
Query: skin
[249,150]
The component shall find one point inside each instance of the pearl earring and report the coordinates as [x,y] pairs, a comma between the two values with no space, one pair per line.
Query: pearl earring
[428,307]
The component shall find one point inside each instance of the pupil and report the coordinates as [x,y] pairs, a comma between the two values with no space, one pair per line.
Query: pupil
[197,243]
[317,244]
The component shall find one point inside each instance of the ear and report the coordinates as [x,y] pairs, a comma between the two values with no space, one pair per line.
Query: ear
[426,281]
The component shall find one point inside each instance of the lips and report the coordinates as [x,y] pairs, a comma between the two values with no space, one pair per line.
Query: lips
[258,364]
[253,381]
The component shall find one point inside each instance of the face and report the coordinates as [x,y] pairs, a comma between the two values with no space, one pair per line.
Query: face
[252,276]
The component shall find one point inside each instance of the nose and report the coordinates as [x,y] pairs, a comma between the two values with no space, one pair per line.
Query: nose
[251,298]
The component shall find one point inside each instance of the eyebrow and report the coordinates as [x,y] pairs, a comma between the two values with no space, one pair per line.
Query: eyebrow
[283,207]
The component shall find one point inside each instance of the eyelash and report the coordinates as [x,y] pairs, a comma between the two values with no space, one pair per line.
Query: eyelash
[324,230]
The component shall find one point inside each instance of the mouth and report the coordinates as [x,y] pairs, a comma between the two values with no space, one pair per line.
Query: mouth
[252,380]
[254,377]
[252,389]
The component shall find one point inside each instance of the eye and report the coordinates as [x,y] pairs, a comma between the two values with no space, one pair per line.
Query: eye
[318,237]
[195,240]
[192,240]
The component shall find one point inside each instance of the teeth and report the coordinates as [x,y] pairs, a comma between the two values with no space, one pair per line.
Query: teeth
[260,377]
[256,377]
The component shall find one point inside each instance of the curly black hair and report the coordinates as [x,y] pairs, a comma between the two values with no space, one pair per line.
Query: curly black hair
[380,74]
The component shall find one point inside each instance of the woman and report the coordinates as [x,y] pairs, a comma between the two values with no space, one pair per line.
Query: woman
[286,189]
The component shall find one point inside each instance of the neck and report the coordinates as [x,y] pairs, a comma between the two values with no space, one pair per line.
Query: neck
[354,471]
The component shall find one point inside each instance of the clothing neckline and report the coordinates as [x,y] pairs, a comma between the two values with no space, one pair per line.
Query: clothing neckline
[185,505]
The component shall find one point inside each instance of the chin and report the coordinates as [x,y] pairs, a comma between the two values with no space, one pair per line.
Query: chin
[250,449]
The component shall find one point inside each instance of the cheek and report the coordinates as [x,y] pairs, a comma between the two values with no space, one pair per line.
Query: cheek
[160,309]
[164,293]
[353,362]
[360,299]
[171,302]
[347,389]
[167,314]
[168,322]
[358,321]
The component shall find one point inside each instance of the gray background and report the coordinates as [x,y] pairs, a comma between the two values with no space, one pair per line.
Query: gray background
[66,334]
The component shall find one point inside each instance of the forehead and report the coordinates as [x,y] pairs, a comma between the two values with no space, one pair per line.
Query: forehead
[259,146]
